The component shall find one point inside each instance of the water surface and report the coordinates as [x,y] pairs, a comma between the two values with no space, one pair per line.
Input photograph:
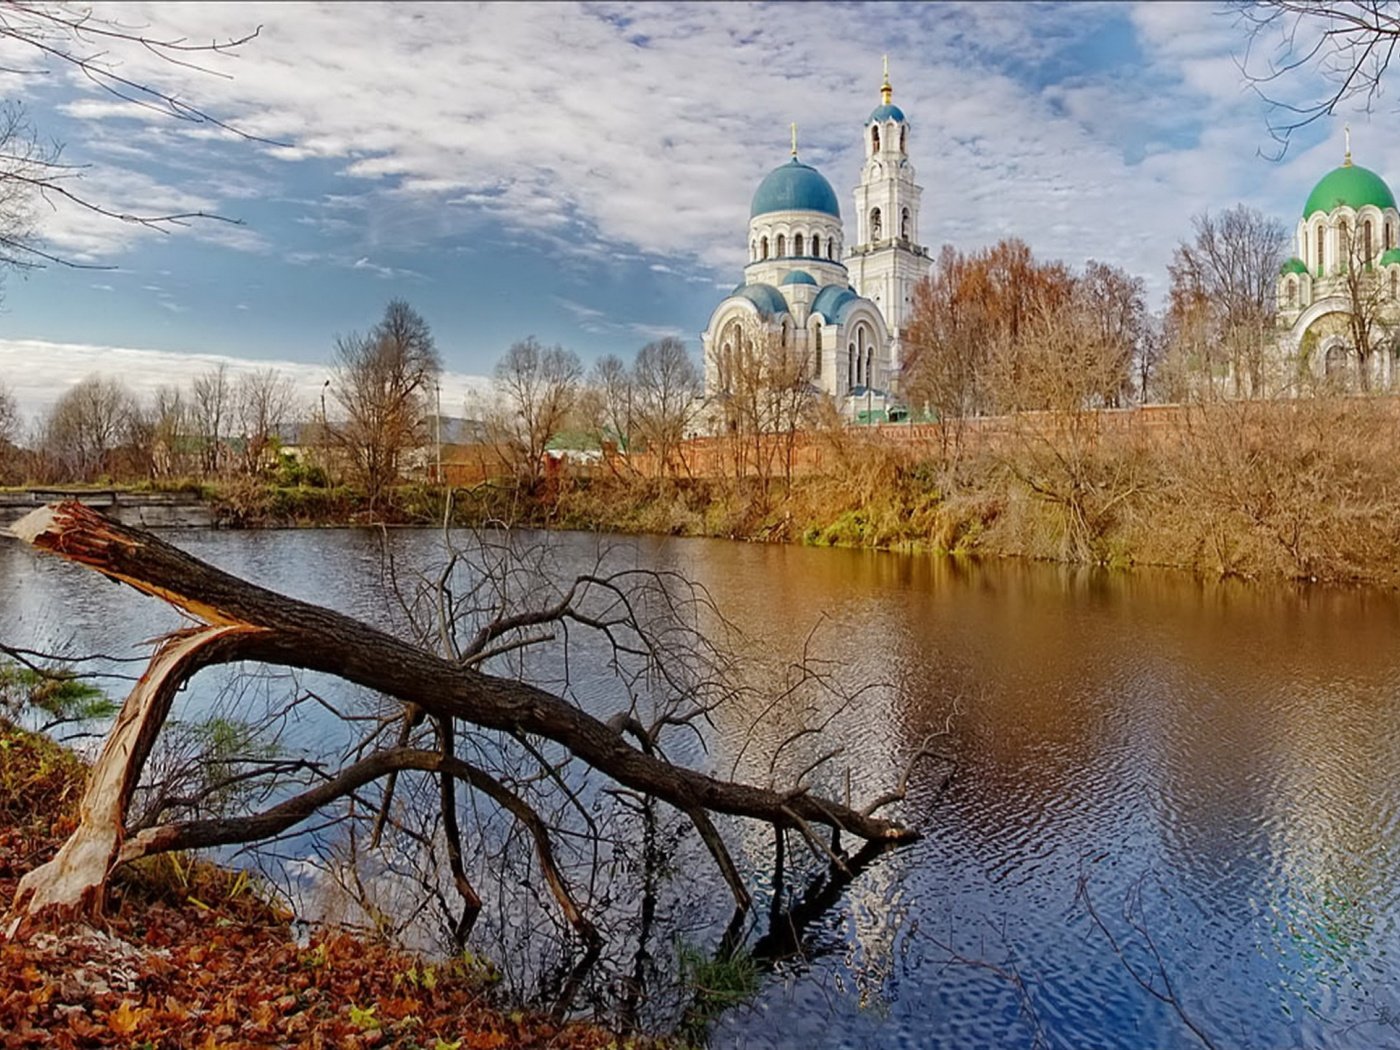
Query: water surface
[1216,766]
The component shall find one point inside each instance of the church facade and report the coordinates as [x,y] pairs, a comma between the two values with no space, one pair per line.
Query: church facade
[833,313]
[1347,267]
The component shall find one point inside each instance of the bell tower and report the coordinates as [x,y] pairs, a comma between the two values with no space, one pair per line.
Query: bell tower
[887,260]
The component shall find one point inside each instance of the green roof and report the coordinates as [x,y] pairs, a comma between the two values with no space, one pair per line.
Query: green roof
[1294,265]
[1392,256]
[1350,185]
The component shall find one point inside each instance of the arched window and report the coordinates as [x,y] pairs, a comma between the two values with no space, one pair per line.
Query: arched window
[1321,243]
[782,246]
[817,350]
[816,246]
[765,247]
[797,244]
[903,139]
[904,224]
[753,251]
[831,248]
[875,224]
[874,138]
[1292,292]
[850,366]
[1366,242]
[1389,237]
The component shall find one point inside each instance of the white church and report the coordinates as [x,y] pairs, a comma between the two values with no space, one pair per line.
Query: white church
[837,310]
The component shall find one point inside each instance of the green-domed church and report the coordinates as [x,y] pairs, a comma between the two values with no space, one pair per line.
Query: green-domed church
[1347,266]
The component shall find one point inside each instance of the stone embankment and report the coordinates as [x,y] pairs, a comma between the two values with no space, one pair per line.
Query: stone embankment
[151,510]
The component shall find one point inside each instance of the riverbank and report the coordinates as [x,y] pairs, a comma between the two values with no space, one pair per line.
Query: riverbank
[1301,490]
[192,955]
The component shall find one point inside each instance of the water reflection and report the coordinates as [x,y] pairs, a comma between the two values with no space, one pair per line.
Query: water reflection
[1229,749]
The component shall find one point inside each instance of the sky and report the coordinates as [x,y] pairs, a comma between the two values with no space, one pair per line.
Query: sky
[582,173]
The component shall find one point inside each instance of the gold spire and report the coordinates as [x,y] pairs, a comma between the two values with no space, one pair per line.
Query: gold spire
[886,92]
[794,139]
[1346,160]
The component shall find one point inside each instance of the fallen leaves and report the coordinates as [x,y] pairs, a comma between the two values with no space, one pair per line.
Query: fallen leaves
[223,975]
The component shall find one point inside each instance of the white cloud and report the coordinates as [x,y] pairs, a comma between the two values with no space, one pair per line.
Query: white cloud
[38,372]
[644,127]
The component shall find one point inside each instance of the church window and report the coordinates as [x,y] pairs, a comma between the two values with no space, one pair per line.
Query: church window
[903,139]
[850,365]
[817,350]
[1321,241]
[765,247]
[1366,241]
[1292,292]
[904,224]
[797,244]
[782,246]
[874,138]
[753,251]
[816,246]
[875,224]
[1389,237]
[831,248]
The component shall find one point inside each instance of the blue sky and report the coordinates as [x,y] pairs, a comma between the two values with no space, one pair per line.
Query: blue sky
[583,173]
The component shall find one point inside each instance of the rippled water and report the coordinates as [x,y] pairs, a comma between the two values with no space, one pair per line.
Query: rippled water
[1213,766]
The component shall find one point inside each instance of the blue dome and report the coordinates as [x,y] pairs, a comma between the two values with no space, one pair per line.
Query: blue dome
[795,187]
[833,301]
[798,277]
[768,299]
[886,112]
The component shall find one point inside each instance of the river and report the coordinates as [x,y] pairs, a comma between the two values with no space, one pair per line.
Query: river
[1212,767]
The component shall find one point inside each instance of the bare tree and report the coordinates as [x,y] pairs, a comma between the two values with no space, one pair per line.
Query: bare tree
[465,720]
[382,382]
[85,427]
[74,38]
[170,417]
[610,396]
[1116,301]
[266,402]
[538,387]
[667,386]
[1367,304]
[213,412]
[1345,45]
[1223,289]
[9,431]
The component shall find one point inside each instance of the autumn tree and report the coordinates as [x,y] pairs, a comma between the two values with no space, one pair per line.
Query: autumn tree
[538,388]
[86,426]
[667,385]
[1222,298]
[383,381]
[966,331]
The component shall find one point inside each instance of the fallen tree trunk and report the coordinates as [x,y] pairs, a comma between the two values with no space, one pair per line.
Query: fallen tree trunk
[248,622]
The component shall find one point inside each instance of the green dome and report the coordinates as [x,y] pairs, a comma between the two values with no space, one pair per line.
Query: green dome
[1392,256]
[1294,265]
[1350,185]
